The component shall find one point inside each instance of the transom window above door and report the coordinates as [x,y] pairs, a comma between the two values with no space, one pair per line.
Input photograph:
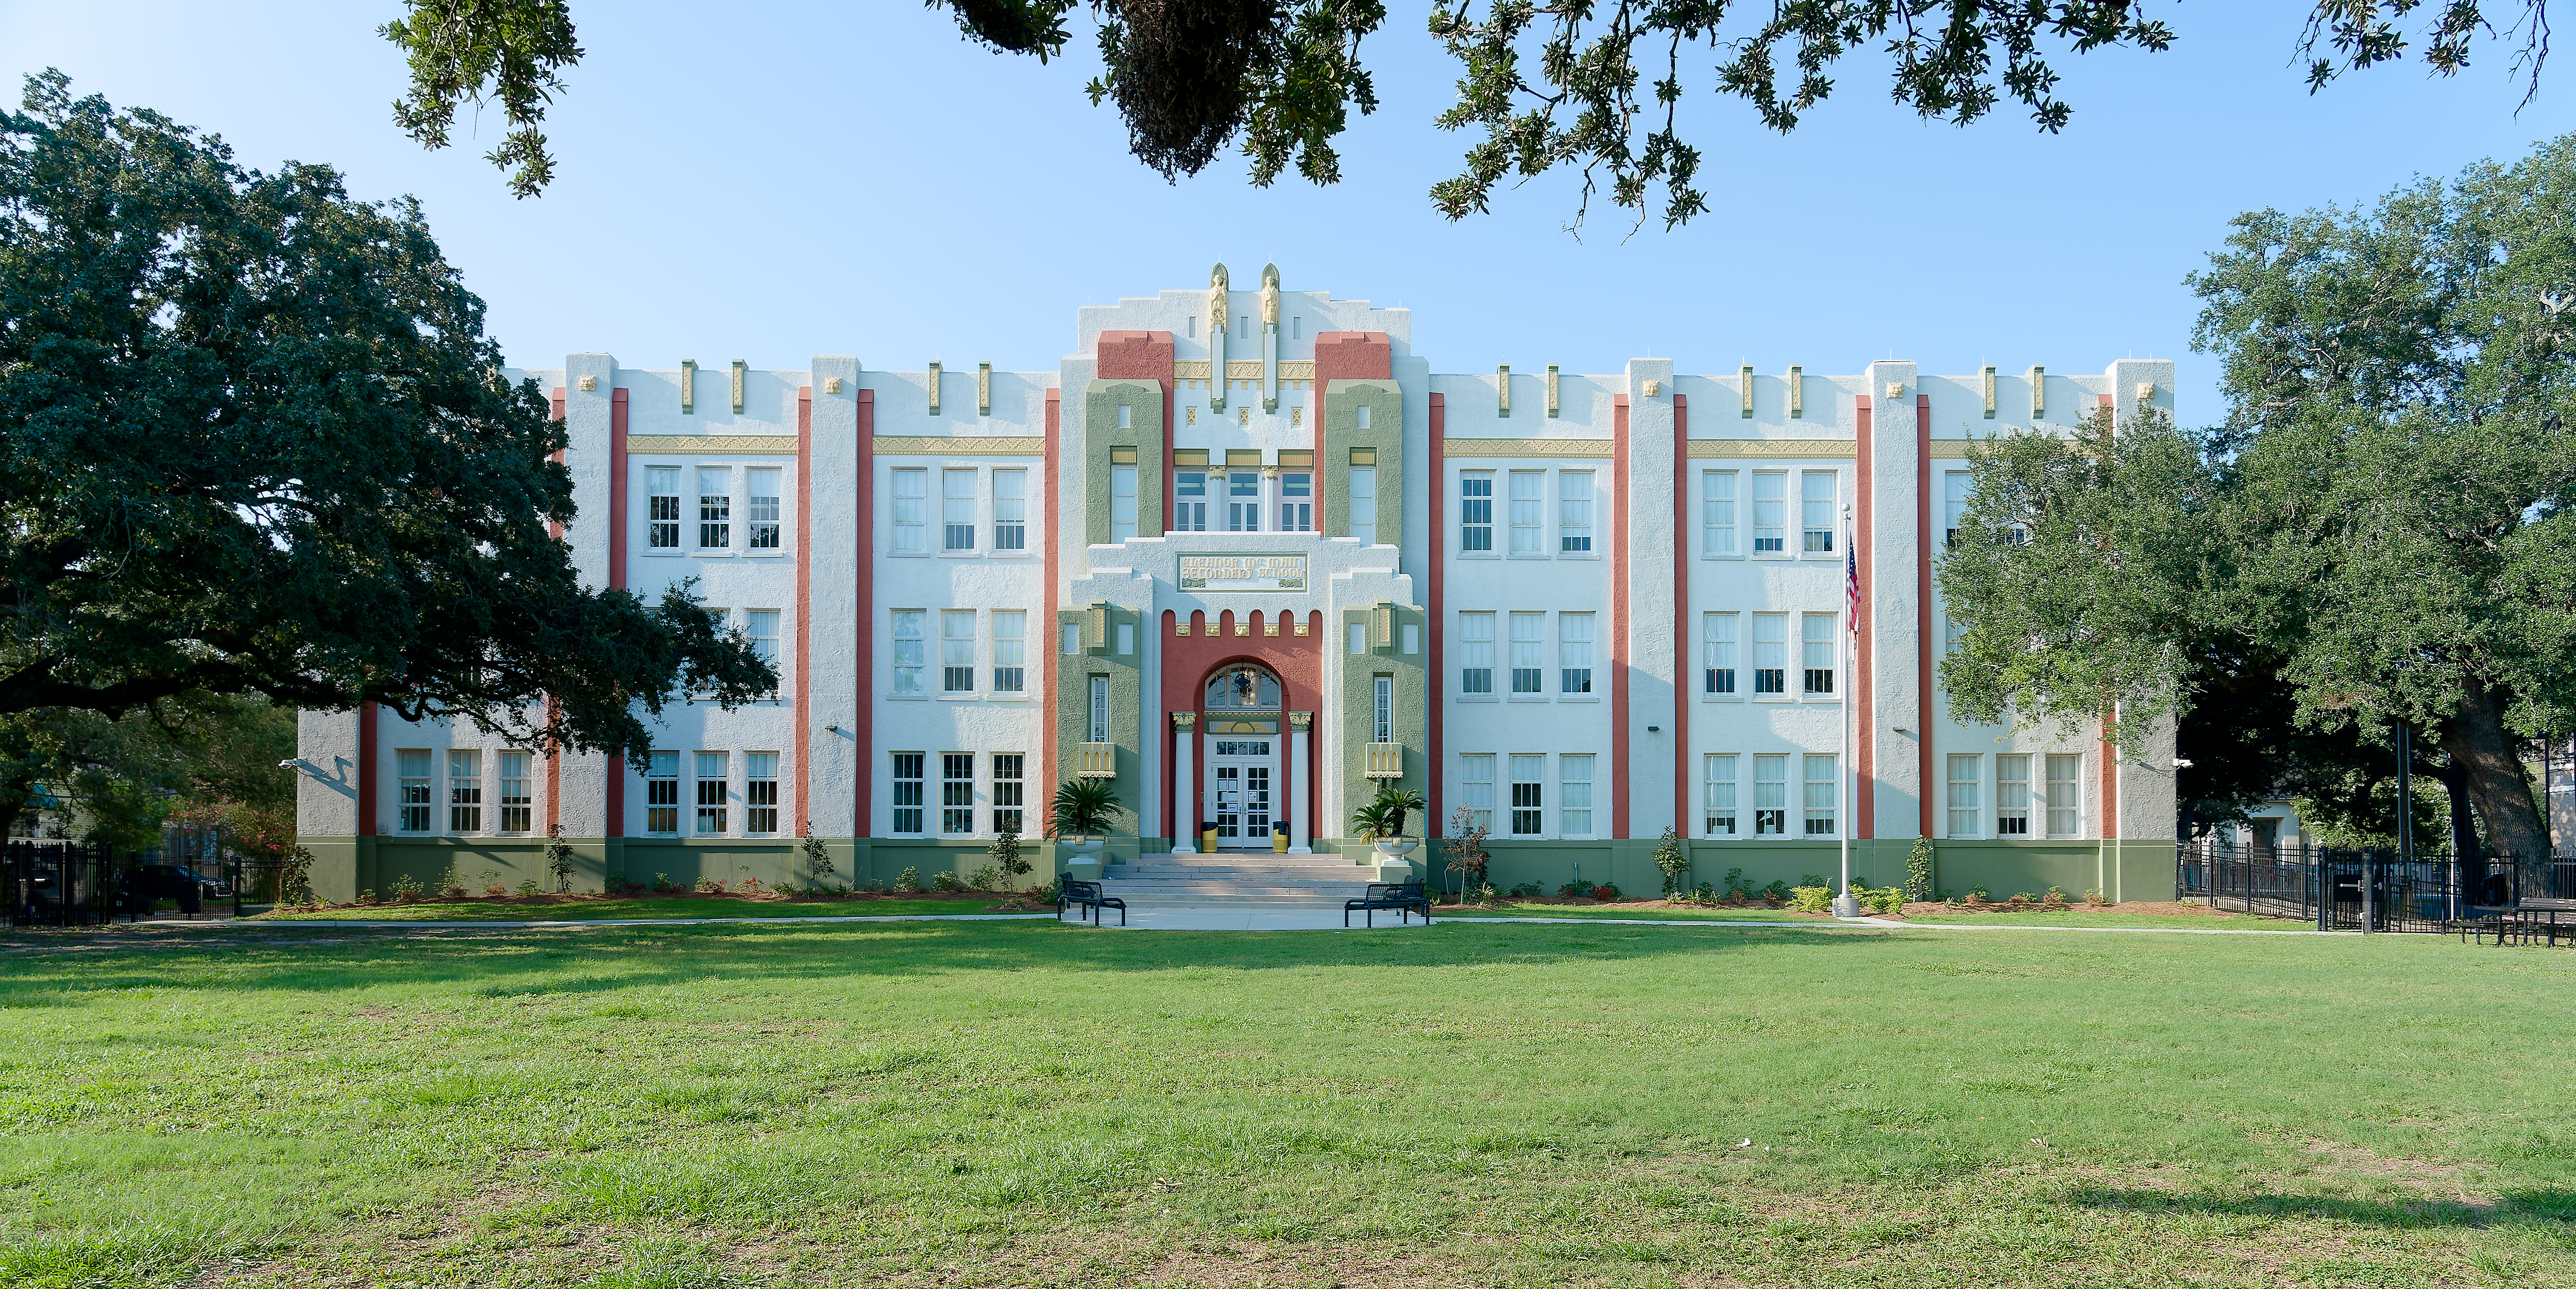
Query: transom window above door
[1243,688]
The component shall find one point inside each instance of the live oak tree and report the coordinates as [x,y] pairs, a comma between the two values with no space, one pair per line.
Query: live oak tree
[1590,86]
[254,440]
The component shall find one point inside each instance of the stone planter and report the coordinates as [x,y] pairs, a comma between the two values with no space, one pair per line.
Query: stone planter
[1400,848]
[1081,850]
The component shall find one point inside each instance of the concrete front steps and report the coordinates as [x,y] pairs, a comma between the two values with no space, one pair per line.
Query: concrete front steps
[1234,878]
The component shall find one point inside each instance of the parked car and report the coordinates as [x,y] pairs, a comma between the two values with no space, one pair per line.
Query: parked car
[167,881]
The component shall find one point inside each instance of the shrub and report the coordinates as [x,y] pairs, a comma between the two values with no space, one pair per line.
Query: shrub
[985,878]
[945,880]
[908,880]
[1811,899]
[818,859]
[1886,900]
[2055,898]
[2024,897]
[1052,891]
[1918,869]
[528,887]
[1674,859]
[1527,890]
[662,884]
[1575,890]
[1012,865]
[1605,891]
[406,889]
[495,888]
[1736,886]
[1776,894]
[449,885]
[366,897]
[2094,897]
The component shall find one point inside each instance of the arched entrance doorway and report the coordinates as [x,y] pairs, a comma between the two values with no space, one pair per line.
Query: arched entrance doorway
[1242,738]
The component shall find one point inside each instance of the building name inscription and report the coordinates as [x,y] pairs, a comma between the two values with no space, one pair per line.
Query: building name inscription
[1243,572]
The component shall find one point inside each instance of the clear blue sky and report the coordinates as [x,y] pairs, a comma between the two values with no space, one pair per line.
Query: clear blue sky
[768,181]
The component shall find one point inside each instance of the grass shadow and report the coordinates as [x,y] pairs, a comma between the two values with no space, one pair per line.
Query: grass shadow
[2386,1214]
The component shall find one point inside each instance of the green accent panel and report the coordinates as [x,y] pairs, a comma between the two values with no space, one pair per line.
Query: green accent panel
[1126,711]
[1342,432]
[1100,432]
[2145,868]
[1359,706]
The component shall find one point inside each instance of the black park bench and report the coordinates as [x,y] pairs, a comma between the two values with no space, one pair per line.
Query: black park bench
[1406,898]
[1086,895]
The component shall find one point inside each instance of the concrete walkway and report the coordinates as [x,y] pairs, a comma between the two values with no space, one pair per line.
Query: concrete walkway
[1233,917]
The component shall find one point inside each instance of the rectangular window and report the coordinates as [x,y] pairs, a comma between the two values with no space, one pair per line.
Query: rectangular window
[1476,788]
[760,792]
[907,793]
[763,626]
[1122,503]
[1070,636]
[1099,709]
[1243,500]
[1528,819]
[465,792]
[760,484]
[911,509]
[1362,412]
[1717,788]
[1771,795]
[1574,512]
[1966,813]
[1770,513]
[908,650]
[1820,795]
[715,508]
[1770,653]
[1475,653]
[1364,503]
[1010,650]
[662,794]
[1574,653]
[1717,653]
[1359,637]
[957,510]
[1955,486]
[1126,639]
[1382,727]
[1816,519]
[1717,512]
[1818,647]
[713,768]
[1010,791]
[2012,796]
[1476,510]
[662,493]
[1189,501]
[412,764]
[1126,416]
[1010,510]
[2063,816]
[956,792]
[1297,501]
[514,792]
[1574,795]
[1529,512]
[957,651]
[1528,642]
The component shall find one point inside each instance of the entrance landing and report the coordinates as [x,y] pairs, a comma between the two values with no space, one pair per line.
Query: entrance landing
[1240,879]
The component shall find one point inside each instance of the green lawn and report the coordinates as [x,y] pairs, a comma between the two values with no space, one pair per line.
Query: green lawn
[1516,909]
[642,906]
[1472,1104]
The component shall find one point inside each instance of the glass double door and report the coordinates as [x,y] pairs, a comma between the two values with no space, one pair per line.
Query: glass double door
[1242,773]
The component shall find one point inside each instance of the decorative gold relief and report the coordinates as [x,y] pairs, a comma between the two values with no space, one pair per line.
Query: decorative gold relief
[590,385]
[738,368]
[1772,448]
[1797,392]
[1296,416]
[1190,369]
[1297,369]
[711,444]
[1180,628]
[1526,447]
[1184,720]
[688,386]
[983,389]
[1990,393]
[831,384]
[941,445]
[1270,626]
[934,389]
[1298,627]
[1551,391]
[1654,388]
[1243,626]
[1301,721]
[1270,296]
[1190,414]
[1214,628]
[1744,384]
[2146,390]
[1243,415]
[1244,369]
[1503,389]
[2038,391]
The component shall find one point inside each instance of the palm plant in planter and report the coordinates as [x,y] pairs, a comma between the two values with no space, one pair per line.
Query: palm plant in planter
[1082,813]
[1382,819]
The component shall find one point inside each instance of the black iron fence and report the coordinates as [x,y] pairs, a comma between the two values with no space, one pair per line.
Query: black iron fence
[2346,890]
[192,874]
[64,883]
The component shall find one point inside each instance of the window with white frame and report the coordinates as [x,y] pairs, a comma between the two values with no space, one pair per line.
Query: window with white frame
[909,648]
[1574,794]
[1529,512]
[1574,653]
[1967,814]
[714,770]
[1817,643]
[957,651]
[762,624]
[1717,653]
[2012,795]
[1122,501]
[956,792]
[1476,653]
[1476,788]
[715,507]
[662,499]
[1358,633]
[1010,510]
[1528,644]
[1717,792]
[1820,794]
[1771,795]
[1364,503]
[1528,795]
[911,510]
[1770,653]
[1010,791]
[1010,651]
[760,792]
[957,510]
[515,798]
[760,503]
[1574,512]
[464,791]
[1476,510]
[411,764]
[1770,513]
[719,620]
[1717,512]
[907,793]
[662,793]
[1955,487]
[1189,501]
[1296,501]
[2064,775]
[1816,520]
[1243,500]
[1382,709]
[1099,709]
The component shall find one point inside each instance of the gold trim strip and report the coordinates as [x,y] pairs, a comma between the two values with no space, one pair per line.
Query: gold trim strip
[930,445]
[1602,448]
[1243,369]
[1772,448]
[1190,369]
[711,444]
[1296,369]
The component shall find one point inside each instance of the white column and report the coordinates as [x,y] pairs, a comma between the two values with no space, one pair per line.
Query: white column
[1298,843]
[1185,830]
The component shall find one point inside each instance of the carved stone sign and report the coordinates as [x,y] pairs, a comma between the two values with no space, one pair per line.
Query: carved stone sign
[1246,572]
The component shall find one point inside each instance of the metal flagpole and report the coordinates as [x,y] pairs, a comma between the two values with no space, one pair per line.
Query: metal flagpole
[1844,905]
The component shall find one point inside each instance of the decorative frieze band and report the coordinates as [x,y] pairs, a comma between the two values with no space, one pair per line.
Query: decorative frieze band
[934,445]
[1190,369]
[1526,447]
[1773,448]
[711,444]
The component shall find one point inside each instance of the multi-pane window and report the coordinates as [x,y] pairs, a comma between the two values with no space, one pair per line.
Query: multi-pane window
[1099,709]
[662,497]
[1816,511]
[1011,510]
[760,501]
[1717,512]
[715,508]
[1476,788]
[760,792]
[719,621]
[1717,790]
[1528,819]
[1476,510]
[1770,513]
[1770,653]
[1010,791]
[412,764]
[1382,709]
[2012,795]
[1966,813]
[908,650]
[514,792]
[1010,650]
[957,651]
[662,793]
[956,792]
[1820,794]
[1529,512]
[1771,795]
[1817,645]
[1528,642]
[1297,501]
[1574,794]
[1189,501]
[907,792]
[1243,500]
[465,792]
[1574,512]
[2062,798]
[911,509]
[957,510]
[714,769]
[763,626]
[1717,653]
[1122,499]
[1364,503]
[1955,486]
[1574,653]
[1476,653]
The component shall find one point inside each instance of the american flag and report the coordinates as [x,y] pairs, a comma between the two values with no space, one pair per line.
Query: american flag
[1851,585]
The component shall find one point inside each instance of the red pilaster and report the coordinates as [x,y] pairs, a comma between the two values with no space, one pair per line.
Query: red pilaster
[1052,651]
[1930,702]
[1616,528]
[1436,608]
[366,769]
[801,813]
[1864,716]
[1683,636]
[863,726]
[615,806]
